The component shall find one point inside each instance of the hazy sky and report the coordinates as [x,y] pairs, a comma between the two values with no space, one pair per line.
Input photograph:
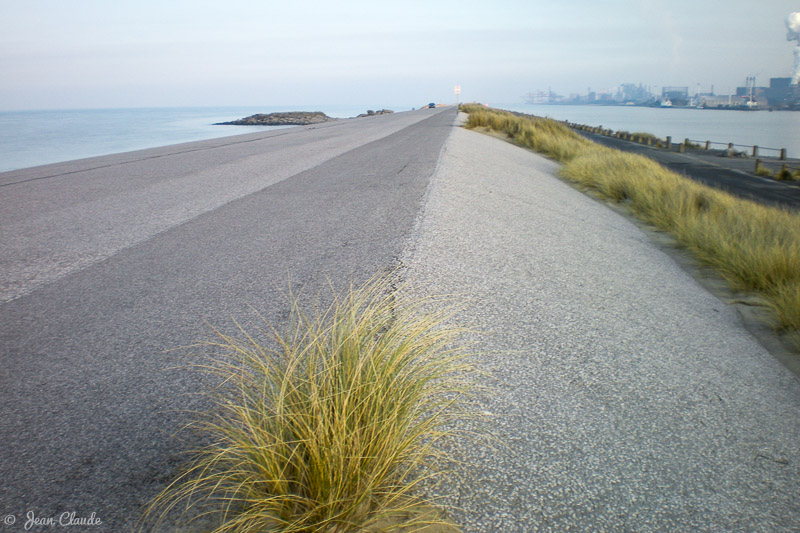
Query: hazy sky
[121,53]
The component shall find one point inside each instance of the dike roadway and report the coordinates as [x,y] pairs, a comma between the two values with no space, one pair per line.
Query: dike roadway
[622,396]
[109,263]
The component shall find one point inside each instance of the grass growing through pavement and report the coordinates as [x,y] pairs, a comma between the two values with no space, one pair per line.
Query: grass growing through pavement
[334,427]
[756,248]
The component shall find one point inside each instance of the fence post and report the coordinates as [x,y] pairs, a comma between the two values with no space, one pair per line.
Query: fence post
[669,142]
[783,154]
[730,146]
[708,145]
[755,151]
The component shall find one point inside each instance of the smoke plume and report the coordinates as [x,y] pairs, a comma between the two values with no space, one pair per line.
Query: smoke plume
[793,34]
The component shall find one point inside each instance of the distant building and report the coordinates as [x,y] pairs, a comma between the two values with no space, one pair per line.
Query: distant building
[629,92]
[751,95]
[543,97]
[781,94]
[758,92]
[677,95]
[712,100]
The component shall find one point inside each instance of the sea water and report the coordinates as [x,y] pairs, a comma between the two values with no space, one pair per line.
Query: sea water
[31,138]
[766,129]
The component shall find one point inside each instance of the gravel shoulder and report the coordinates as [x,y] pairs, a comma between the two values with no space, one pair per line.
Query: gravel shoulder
[623,395]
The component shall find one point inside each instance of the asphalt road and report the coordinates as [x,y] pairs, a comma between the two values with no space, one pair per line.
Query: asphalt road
[59,218]
[733,175]
[107,263]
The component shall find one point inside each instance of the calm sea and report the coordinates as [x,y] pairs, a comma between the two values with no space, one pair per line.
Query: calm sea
[777,129]
[31,138]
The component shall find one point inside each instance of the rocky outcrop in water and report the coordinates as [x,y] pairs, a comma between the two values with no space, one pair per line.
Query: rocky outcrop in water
[290,118]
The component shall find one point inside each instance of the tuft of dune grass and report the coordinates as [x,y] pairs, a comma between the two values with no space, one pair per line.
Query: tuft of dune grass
[334,426]
[755,247]
[546,136]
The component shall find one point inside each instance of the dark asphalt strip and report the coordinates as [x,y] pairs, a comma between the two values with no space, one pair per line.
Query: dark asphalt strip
[733,181]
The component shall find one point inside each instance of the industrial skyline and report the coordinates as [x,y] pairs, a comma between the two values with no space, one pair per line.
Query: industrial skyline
[781,93]
[778,93]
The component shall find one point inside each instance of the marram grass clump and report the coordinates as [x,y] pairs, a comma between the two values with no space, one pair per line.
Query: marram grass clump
[755,247]
[334,428]
[549,137]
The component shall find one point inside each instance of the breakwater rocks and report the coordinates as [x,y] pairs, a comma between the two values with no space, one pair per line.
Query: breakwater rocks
[371,113]
[290,118]
[293,118]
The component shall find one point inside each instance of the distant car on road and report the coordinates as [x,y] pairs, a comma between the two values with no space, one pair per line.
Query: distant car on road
[431,105]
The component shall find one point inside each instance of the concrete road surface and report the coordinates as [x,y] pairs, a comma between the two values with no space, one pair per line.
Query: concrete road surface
[109,262]
[623,396]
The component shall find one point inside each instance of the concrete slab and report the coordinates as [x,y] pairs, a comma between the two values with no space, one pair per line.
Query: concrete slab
[623,396]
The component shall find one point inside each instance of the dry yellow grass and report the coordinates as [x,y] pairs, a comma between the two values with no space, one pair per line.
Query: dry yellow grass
[755,247]
[335,427]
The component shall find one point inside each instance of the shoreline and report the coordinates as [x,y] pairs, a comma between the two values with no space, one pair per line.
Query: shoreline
[774,130]
[33,138]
